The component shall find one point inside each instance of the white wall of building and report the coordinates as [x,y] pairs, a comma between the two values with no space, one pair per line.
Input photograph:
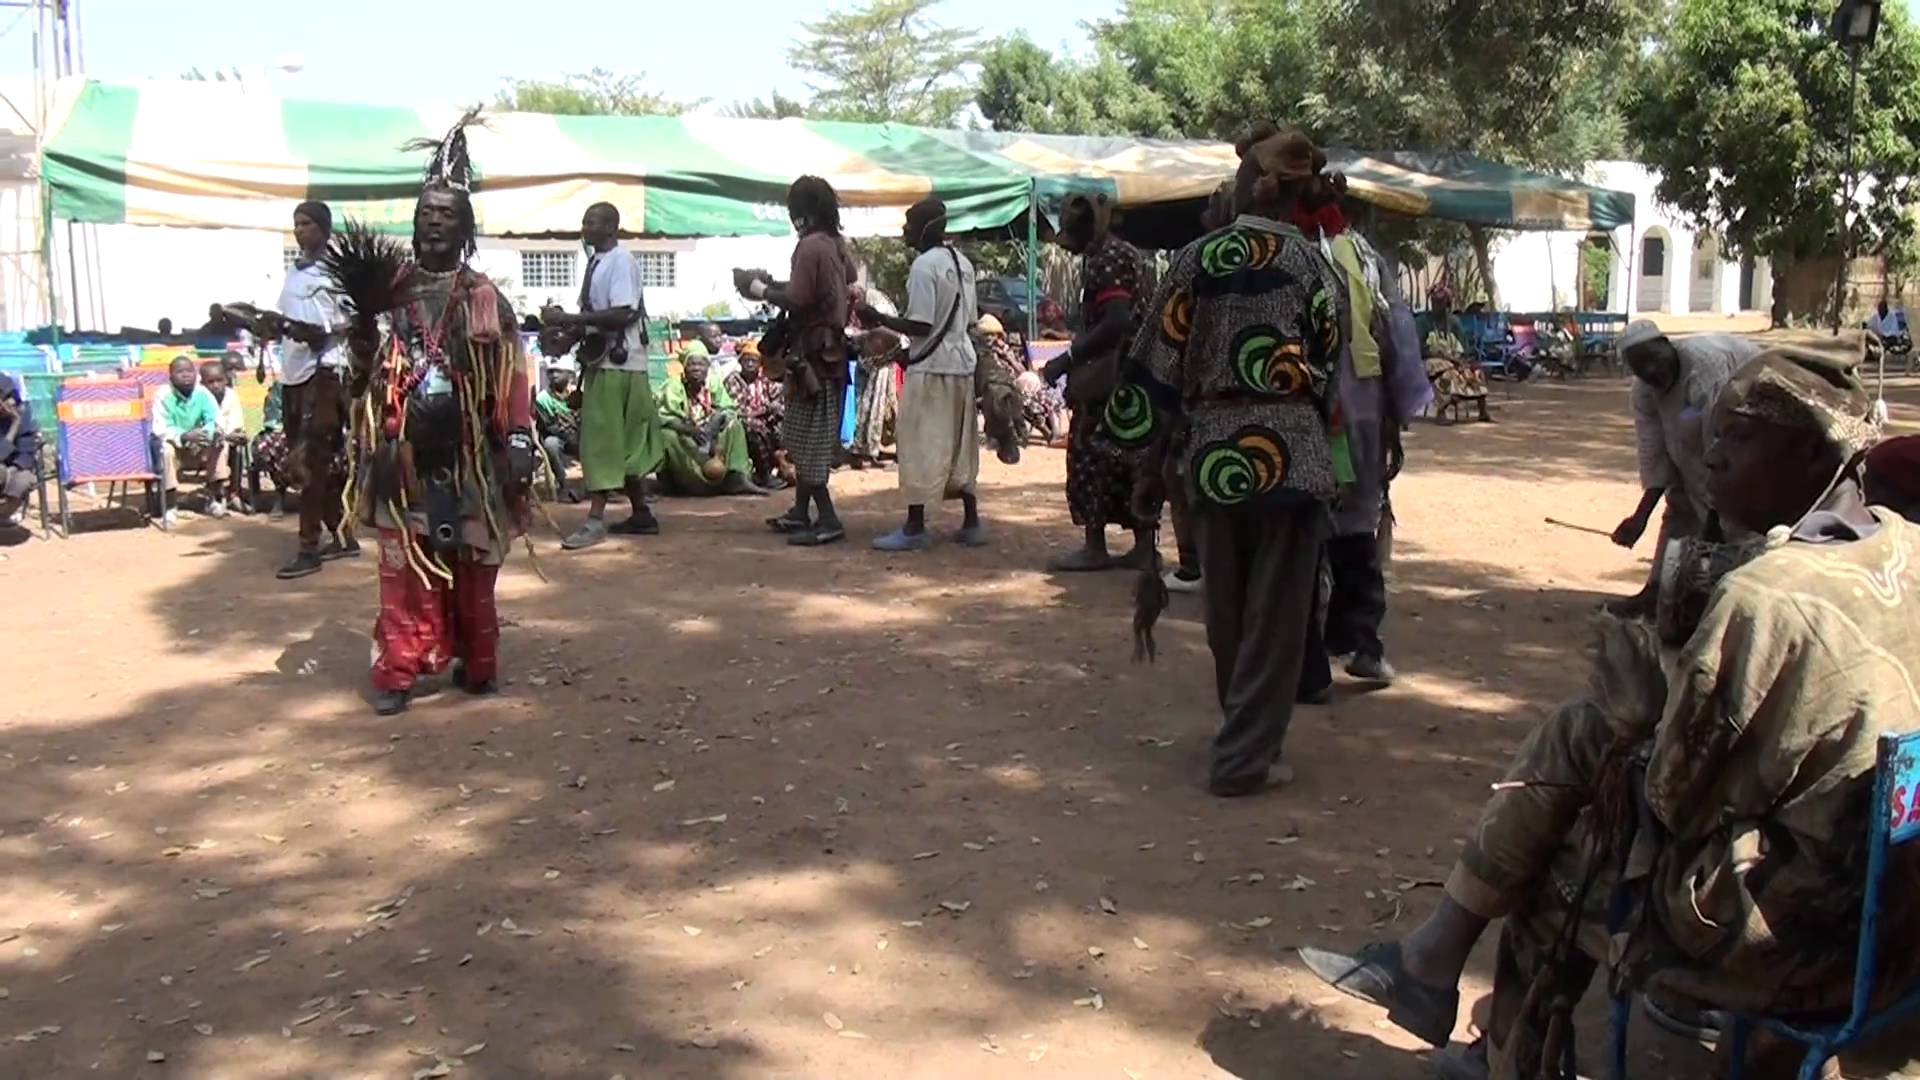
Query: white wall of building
[135,275]
[1693,275]
[1539,271]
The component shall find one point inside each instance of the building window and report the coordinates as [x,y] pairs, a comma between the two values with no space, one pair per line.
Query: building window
[546,269]
[1653,256]
[288,256]
[658,269]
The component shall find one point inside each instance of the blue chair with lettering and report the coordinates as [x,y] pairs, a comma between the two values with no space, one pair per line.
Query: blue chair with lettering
[1895,821]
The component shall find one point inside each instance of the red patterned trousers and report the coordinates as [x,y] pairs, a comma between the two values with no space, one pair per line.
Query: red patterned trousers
[422,628]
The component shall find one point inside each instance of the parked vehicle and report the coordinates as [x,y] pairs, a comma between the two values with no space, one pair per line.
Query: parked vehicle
[1004,298]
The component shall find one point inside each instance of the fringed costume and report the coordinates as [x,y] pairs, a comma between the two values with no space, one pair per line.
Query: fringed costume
[442,448]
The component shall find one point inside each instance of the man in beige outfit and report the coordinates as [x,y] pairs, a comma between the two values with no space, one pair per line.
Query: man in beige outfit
[1719,792]
[936,434]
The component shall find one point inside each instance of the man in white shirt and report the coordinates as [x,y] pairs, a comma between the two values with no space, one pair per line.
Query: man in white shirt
[620,435]
[313,394]
[937,436]
[1887,323]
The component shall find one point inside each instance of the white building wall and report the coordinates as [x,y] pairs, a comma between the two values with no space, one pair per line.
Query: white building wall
[134,275]
[1679,291]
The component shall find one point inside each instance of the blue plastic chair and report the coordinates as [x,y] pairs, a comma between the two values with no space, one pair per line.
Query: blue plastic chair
[1896,796]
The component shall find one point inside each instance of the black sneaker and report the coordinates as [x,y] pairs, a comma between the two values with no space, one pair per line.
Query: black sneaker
[486,688]
[391,702]
[340,548]
[307,562]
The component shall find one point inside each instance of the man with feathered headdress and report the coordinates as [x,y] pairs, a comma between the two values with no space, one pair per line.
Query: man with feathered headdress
[442,433]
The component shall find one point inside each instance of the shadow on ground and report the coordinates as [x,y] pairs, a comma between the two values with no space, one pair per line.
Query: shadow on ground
[741,809]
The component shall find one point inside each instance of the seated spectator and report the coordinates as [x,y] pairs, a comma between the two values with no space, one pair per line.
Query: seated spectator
[997,364]
[186,432]
[269,451]
[762,403]
[1053,321]
[705,442]
[1457,377]
[231,424]
[558,424]
[1716,801]
[1043,411]
[19,450]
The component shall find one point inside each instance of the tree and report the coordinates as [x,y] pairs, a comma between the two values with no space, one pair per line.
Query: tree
[774,107]
[231,74]
[1744,113]
[597,93]
[886,61]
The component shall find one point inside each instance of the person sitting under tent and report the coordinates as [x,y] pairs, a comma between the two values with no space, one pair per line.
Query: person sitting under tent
[1457,377]
[231,425]
[556,419]
[19,450]
[706,445]
[762,401]
[186,435]
[1700,817]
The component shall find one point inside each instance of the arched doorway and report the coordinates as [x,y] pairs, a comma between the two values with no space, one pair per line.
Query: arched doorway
[1650,291]
[1703,283]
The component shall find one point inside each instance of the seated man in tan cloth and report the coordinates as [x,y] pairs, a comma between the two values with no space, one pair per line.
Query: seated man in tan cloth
[1724,791]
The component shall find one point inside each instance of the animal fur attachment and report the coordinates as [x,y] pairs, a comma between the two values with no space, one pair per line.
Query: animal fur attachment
[1149,600]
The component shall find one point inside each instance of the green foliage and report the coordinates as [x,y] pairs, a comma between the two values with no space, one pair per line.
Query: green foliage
[597,93]
[1502,80]
[886,61]
[886,259]
[719,309]
[1744,113]
[1596,272]
[1522,81]
[774,107]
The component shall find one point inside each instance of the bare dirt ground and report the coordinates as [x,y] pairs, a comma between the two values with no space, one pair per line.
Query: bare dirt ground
[744,811]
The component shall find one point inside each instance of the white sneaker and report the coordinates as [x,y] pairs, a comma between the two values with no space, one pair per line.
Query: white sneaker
[216,508]
[170,519]
[1176,583]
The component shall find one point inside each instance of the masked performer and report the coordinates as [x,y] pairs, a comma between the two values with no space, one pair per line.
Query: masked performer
[442,434]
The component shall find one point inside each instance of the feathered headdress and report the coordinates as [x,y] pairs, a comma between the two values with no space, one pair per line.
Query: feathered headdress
[451,165]
[366,270]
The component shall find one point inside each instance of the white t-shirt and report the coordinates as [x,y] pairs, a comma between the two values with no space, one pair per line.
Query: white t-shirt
[613,281]
[309,297]
[936,278]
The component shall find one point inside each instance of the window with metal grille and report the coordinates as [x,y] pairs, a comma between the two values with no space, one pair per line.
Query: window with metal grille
[546,269]
[658,269]
[288,256]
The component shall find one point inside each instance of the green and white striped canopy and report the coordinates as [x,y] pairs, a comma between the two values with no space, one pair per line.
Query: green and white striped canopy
[222,155]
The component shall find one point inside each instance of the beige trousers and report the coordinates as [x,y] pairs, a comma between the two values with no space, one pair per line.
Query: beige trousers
[211,460]
[937,438]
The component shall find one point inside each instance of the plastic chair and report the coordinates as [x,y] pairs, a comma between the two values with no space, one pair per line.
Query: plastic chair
[105,437]
[1896,796]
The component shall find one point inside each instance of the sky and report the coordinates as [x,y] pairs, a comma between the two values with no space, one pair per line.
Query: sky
[418,52]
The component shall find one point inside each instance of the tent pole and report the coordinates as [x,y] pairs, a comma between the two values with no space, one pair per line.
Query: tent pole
[46,252]
[1033,258]
[1632,284]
